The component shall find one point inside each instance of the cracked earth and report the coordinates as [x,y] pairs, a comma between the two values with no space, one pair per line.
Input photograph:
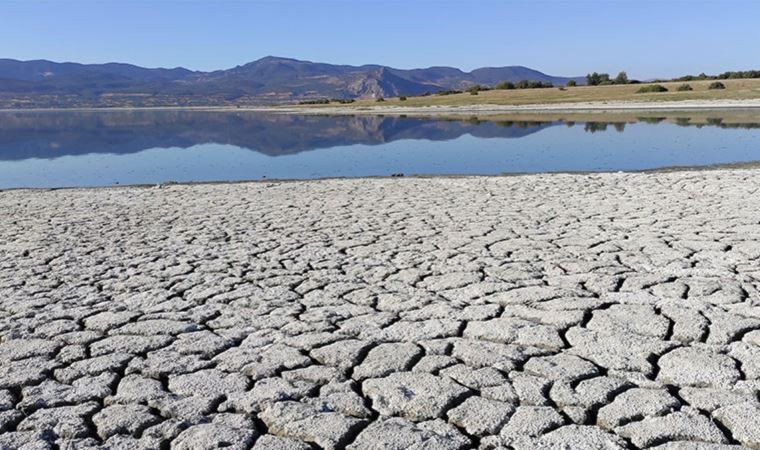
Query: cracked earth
[553,311]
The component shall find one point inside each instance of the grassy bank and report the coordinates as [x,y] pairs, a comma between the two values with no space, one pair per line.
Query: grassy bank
[741,89]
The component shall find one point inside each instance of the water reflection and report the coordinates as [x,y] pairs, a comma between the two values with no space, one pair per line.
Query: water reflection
[50,135]
[26,135]
[53,149]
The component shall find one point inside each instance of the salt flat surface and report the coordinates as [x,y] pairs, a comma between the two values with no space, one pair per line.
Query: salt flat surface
[546,311]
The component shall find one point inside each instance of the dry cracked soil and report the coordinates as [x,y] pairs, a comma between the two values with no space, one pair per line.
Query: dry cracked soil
[603,311]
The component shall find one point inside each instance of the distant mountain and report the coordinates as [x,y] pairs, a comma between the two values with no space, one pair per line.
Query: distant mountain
[265,81]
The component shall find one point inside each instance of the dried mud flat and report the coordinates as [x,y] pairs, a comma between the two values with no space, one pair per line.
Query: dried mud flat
[545,311]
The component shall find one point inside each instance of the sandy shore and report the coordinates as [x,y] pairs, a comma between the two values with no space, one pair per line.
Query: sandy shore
[578,107]
[597,311]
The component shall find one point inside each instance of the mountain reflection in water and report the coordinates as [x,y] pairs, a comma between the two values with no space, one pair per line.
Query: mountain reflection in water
[96,148]
[50,134]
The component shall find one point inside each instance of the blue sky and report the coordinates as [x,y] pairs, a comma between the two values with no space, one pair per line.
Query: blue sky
[645,38]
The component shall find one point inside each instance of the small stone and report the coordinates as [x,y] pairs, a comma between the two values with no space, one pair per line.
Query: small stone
[93,366]
[530,421]
[690,366]
[156,327]
[415,396]
[581,437]
[561,367]
[531,390]
[480,416]
[128,344]
[269,442]
[123,419]
[743,419]
[474,378]
[63,421]
[208,382]
[15,349]
[386,359]
[400,434]
[9,419]
[211,435]
[137,389]
[265,392]
[675,426]
[710,399]
[636,404]
[342,354]
[305,422]
[433,363]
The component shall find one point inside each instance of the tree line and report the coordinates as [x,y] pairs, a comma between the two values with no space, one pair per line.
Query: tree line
[602,79]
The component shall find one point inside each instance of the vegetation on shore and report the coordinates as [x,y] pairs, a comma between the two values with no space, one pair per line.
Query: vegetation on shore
[733,89]
[651,88]
[327,101]
[738,85]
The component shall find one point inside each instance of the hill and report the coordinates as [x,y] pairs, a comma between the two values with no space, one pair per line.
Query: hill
[268,80]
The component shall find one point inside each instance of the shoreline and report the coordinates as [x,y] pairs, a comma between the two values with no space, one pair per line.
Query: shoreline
[727,167]
[569,107]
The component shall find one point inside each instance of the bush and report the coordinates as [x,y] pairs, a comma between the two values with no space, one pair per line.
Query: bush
[716,85]
[621,78]
[595,79]
[572,83]
[473,92]
[528,84]
[505,85]
[652,88]
[448,92]
[319,101]
[402,98]
[684,87]
[380,99]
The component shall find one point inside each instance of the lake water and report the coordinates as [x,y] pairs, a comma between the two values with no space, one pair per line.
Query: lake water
[57,149]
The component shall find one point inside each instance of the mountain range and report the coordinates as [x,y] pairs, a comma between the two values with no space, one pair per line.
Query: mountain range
[268,80]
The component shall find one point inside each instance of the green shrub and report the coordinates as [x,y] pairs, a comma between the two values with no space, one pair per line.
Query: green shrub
[505,85]
[528,84]
[652,88]
[595,79]
[684,87]
[402,98]
[716,85]
[621,78]
[319,101]
[380,99]
[572,83]
[448,92]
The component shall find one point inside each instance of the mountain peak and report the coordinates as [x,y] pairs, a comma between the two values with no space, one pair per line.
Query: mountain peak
[271,79]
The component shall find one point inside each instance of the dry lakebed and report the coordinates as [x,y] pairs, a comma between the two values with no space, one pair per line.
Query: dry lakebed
[588,311]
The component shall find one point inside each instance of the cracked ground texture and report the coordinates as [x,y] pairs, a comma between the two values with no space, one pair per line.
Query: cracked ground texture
[553,311]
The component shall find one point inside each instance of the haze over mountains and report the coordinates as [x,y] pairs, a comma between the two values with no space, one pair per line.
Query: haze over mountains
[265,81]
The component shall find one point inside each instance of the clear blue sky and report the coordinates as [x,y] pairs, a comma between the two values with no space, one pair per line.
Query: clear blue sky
[645,38]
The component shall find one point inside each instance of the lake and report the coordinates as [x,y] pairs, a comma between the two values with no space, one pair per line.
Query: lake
[104,148]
